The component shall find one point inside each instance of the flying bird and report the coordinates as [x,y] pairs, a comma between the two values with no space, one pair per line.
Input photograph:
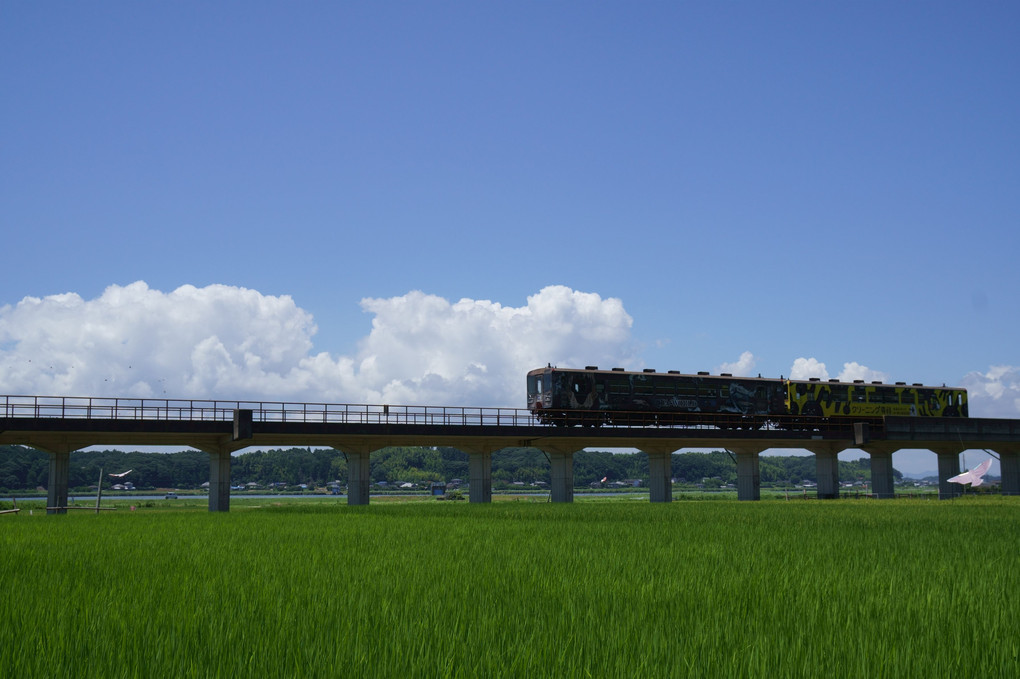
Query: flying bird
[973,477]
[122,474]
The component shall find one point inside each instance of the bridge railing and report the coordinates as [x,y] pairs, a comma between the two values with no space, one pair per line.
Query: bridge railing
[93,408]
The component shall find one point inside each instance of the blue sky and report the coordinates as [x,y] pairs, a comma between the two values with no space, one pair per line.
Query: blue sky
[775,180]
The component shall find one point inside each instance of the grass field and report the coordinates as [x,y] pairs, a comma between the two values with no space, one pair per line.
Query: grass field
[602,588]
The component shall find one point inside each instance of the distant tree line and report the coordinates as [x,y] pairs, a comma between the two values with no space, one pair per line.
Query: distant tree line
[23,468]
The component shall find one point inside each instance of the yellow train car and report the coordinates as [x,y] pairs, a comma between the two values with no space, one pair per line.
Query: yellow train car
[832,398]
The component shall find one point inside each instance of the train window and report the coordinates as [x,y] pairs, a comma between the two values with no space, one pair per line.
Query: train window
[860,395]
[838,393]
[885,396]
[619,387]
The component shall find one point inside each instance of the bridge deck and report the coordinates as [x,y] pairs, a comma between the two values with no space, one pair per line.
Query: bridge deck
[72,423]
[61,425]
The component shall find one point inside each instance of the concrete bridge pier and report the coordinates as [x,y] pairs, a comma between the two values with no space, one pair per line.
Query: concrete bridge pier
[56,485]
[480,472]
[358,473]
[748,472]
[827,467]
[882,479]
[949,466]
[220,451]
[561,472]
[1009,462]
[219,480]
[219,473]
[660,468]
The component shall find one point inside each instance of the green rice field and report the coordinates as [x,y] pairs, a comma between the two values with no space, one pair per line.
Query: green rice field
[597,588]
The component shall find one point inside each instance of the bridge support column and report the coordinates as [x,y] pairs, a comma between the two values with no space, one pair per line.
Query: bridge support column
[949,466]
[219,481]
[480,470]
[827,468]
[660,468]
[882,480]
[358,475]
[561,472]
[480,473]
[1009,463]
[748,472]
[56,486]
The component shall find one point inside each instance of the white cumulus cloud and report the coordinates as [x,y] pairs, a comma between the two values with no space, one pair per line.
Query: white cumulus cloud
[473,350]
[855,371]
[995,393]
[233,343]
[805,368]
[135,341]
[742,367]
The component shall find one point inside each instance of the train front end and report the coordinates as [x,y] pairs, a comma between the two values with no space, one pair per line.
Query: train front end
[540,396]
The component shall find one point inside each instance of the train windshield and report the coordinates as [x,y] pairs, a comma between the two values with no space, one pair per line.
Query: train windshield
[535,384]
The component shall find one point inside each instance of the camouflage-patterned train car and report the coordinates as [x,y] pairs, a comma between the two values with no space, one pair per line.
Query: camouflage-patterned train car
[593,397]
[815,398]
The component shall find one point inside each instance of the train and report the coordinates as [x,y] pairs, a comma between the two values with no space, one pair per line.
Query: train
[593,397]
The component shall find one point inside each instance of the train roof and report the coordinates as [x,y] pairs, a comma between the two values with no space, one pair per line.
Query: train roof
[703,374]
[877,383]
[651,371]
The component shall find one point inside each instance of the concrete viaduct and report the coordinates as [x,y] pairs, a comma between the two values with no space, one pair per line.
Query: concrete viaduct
[61,425]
